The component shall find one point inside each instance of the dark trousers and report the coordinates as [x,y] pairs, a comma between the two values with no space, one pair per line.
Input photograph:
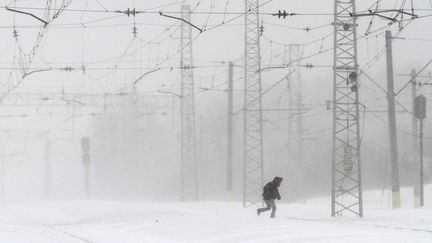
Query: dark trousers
[270,205]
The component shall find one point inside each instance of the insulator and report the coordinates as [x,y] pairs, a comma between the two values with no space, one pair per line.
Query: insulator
[130,12]
[353,77]
[15,34]
[283,14]
[346,26]
[348,160]
[135,31]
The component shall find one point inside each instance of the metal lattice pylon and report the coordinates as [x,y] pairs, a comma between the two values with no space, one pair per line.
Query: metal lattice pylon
[253,148]
[189,184]
[346,170]
[295,115]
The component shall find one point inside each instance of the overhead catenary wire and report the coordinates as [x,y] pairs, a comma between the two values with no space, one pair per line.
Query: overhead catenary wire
[414,77]
[227,13]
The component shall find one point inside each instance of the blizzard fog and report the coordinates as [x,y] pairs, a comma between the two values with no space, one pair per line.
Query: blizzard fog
[95,57]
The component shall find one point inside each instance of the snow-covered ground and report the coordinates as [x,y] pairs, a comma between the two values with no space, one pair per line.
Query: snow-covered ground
[207,222]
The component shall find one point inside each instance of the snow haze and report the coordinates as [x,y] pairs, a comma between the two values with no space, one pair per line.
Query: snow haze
[110,72]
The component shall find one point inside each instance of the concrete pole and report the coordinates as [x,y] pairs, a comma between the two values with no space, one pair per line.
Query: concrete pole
[87,180]
[230,126]
[86,160]
[2,176]
[300,129]
[173,114]
[394,156]
[421,165]
[415,142]
[47,171]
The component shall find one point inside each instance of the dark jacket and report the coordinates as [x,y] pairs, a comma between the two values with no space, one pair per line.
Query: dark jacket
[271,189]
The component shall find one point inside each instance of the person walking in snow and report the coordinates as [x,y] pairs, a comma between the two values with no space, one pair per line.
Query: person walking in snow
[270,194]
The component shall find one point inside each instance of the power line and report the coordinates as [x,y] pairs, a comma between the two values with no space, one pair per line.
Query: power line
[414,77]
[133,11]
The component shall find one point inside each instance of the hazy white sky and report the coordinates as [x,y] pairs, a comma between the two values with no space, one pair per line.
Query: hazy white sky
[103,43]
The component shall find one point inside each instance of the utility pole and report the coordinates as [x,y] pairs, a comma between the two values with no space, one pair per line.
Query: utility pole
[394,155]
[230,126]
[2,175]
[189,177]
[85,146]
[346,161]
[420,113]
[295,115]
[173,114]
[253,164]
[421,165]
[47,171]
[415,141]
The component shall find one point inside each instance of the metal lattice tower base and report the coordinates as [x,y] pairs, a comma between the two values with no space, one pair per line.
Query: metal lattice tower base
[189,184]
[253,151]
[295,116]
[346,170]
